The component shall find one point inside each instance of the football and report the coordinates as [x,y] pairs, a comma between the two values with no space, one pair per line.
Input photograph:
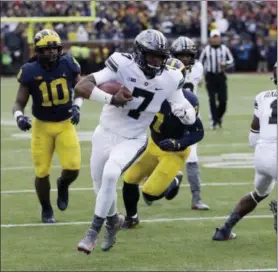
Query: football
[110,87]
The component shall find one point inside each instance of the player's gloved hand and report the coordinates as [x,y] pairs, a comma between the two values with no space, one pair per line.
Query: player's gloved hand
[23,122]
[75,115]
[170,145]
[178,110]
[121,97]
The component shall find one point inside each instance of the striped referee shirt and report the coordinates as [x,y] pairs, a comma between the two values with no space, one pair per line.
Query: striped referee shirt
[212,58]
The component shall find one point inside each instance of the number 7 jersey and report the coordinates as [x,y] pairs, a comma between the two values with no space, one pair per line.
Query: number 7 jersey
[265,109]
[51,90]
[133,120]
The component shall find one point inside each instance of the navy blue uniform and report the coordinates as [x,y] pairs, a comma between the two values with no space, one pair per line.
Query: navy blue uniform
[167,126]
[51,90]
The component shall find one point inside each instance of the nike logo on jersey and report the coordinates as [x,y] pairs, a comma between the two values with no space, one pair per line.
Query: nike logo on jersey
[158,89]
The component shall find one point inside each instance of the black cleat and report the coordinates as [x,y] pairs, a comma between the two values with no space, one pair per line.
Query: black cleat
[130,222]
[63,195]
[223,235]
[48,216]
[174,187]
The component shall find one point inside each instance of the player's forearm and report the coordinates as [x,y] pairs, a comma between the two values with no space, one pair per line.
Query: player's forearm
[84,87]
[191,138]
[87,89]
[18,110]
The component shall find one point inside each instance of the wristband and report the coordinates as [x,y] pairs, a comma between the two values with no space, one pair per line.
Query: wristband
[100,96]
[17,114]
[78,102]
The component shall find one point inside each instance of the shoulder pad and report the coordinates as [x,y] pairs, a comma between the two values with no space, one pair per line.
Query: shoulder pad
[175,63]
[25,73]
[72,63]
[117,60]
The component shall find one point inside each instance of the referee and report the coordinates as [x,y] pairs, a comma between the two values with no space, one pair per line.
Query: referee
[216,57]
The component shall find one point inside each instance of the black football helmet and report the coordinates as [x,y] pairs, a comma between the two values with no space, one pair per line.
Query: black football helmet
[184,46]
[153,42]
[275,74]
[46,39]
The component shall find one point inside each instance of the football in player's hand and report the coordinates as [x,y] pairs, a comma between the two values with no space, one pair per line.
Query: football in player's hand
[113,87]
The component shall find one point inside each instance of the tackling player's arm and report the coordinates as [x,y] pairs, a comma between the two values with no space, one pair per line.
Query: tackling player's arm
[21,101]
[87,87]
[194,134]
[255,126]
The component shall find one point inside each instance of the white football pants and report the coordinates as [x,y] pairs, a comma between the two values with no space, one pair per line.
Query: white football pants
[111,155]
[265,168]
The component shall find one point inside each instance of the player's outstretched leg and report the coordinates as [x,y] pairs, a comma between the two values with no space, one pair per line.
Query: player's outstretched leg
[193,175]
[246,205]
[42,186]
[63,183]
[273,208]
[131,196]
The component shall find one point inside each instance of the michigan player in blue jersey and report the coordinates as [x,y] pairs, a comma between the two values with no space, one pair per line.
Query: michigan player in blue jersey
[168,148]
[49,78]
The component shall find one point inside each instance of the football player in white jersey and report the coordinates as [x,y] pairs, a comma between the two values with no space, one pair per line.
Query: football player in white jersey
[121,134]
[184,49]
[262,137]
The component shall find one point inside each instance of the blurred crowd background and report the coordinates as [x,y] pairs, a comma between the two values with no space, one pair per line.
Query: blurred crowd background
[249,28]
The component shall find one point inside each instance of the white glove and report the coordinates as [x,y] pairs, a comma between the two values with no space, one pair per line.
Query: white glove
[187,117]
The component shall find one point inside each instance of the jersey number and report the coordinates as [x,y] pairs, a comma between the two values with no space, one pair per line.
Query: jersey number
[54,93]
[188,86]
[159,118]
[273,117]
[148,96]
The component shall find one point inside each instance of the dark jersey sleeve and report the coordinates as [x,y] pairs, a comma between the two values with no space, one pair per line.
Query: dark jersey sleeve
[24,75]
[74,65]
[193,99]
[194,134]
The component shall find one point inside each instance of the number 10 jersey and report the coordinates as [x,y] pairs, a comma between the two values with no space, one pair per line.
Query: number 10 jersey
[51,90]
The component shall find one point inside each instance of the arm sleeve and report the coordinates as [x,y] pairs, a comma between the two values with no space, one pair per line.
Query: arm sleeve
[104,75]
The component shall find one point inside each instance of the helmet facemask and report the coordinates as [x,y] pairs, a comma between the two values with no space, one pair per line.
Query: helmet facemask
[150,70]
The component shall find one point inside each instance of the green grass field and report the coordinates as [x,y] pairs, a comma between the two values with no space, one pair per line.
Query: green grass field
[171,235]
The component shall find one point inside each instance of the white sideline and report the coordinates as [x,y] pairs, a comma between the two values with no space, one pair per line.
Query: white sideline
[143,221]
[119,187]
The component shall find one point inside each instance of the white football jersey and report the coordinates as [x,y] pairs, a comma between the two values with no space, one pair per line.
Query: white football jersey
[132,120]
[265,108]
[193,77]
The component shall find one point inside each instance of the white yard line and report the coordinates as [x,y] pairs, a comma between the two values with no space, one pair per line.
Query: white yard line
[216,184]
[213,218]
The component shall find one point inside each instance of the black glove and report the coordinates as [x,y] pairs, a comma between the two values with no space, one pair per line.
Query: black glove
[75,115]
[170,145]
[23,122]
